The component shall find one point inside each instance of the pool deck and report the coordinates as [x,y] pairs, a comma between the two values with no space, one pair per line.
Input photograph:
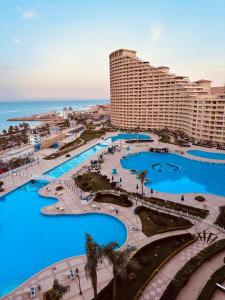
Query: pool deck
[69,203]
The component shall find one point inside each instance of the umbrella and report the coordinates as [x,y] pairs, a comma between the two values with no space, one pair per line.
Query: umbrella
[137,187]
[120,179]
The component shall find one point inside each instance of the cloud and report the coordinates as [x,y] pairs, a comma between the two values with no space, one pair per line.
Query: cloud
[17,41]
[156,31]
[28,13]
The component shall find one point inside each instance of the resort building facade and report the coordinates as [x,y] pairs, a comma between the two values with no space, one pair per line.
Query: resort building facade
[148,97]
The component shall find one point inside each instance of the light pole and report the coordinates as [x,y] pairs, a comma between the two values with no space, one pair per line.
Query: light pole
[78,276]
[136,193]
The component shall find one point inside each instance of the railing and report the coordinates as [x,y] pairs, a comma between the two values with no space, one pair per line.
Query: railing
[16,170]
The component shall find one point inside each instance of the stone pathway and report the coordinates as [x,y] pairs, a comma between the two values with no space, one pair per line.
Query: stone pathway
[200,277]
[159,283]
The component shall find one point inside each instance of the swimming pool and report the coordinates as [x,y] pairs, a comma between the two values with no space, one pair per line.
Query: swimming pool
[131,136]
[31,241]
[172,173]
[205,154]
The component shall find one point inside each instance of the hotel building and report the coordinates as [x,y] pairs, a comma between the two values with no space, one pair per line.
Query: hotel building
[148,97]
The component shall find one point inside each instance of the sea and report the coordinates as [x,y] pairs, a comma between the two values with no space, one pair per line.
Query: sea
[12,109]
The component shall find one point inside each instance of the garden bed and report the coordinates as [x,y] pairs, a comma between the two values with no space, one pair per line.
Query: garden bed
[93,182]
[185,273]
[121,200]
[194,211]
[150,258]
[155,222]
[210,287]
[221,217]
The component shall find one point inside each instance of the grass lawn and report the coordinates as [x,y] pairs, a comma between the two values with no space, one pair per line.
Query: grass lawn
[121,200]
[149,258]
[92,182]
[154,222]
[221,218]
[210,287]
[184,274]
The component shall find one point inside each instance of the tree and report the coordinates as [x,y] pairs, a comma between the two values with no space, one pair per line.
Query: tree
[121,263]
[142,178]
[57,291]
[95,254]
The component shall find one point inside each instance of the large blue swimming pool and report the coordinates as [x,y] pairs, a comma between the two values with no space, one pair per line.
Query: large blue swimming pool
[31,241]
[172,173]
[205,154]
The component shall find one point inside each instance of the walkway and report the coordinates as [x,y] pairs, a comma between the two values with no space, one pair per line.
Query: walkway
[159,283]
[200,277]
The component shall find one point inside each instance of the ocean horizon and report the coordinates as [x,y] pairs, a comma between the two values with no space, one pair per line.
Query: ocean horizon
[13,109]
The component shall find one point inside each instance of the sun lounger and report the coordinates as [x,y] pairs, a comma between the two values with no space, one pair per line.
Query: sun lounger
[134,228]
[32,293]
[72,274]
[94,206]
[130,246]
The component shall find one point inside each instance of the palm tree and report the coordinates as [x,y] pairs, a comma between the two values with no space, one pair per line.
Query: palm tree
[94,255]
[142,178]
[57,291]
[121,263]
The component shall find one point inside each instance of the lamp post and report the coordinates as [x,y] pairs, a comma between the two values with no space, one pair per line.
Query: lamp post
[78,276]
[136,192]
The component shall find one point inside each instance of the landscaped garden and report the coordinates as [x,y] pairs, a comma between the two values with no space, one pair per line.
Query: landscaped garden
[184,274]
[149,260]
[155,222]
[93,182]
[121,200]
[195,211]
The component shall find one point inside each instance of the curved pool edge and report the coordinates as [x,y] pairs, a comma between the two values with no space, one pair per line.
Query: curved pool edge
[181,155]
[32,278]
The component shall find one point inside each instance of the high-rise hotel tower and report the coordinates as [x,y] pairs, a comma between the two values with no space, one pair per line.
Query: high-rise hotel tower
[147,97]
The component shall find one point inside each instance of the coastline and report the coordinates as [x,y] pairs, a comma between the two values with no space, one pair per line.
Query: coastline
[14,112]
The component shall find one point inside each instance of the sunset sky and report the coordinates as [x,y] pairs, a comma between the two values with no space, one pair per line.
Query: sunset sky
[58,49]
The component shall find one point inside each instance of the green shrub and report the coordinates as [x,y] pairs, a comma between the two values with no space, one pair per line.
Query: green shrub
[200,198]
[59,188]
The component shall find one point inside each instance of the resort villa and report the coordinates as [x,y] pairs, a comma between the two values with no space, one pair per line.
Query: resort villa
[127,208]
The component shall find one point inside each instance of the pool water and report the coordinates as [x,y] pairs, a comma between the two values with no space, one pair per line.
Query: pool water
[31,241]
[131,136]
[205,154]
[172,173]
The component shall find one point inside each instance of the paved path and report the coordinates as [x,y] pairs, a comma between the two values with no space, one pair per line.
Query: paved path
[200,277]
[159,283]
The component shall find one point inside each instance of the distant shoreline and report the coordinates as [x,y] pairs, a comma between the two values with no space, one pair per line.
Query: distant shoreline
[15,112]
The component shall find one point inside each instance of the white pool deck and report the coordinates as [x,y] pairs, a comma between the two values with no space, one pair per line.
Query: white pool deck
[70,203]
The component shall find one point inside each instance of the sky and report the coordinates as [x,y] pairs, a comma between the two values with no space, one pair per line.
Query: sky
[58,49]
